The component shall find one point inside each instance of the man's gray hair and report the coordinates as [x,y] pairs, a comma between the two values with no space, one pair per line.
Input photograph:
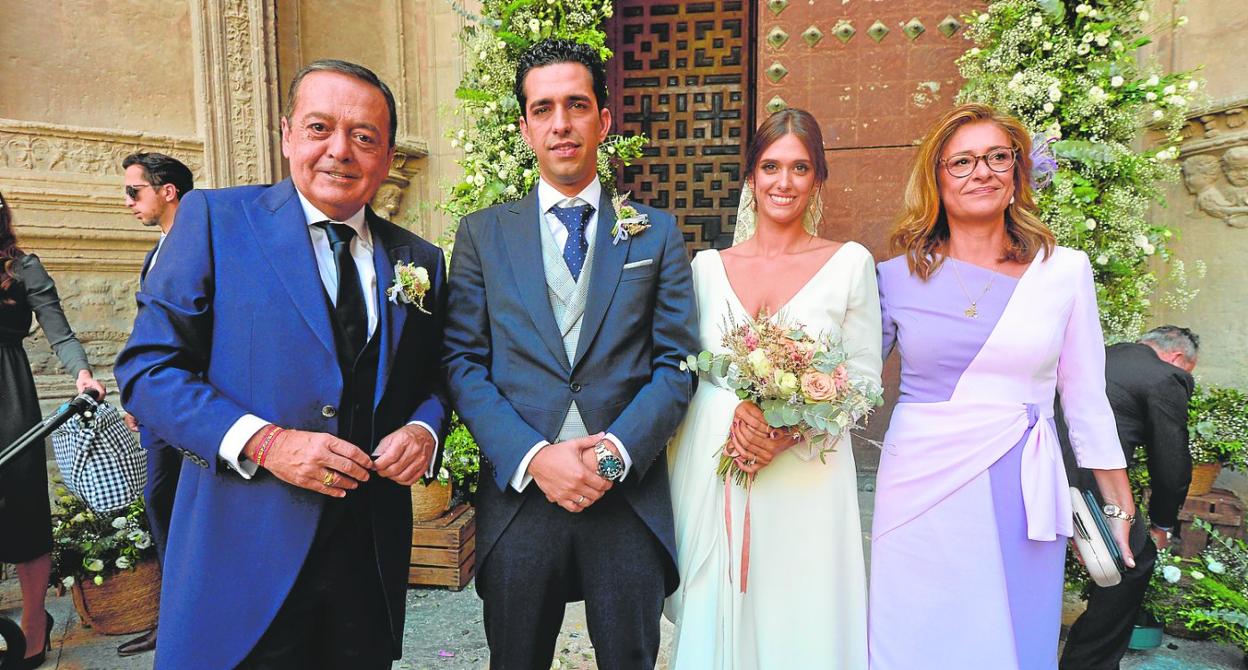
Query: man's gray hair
[1173,338]
[351,70]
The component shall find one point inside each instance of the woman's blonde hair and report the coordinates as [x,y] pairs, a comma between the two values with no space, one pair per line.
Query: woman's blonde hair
[922,230]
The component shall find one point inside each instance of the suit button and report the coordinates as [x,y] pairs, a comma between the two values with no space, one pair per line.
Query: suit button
[329,411]
[575,387]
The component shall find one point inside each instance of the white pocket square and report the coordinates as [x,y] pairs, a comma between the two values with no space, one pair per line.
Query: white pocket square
[639,264]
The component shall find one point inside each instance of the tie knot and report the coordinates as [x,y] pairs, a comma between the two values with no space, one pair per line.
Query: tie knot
[573,218]
[339,233]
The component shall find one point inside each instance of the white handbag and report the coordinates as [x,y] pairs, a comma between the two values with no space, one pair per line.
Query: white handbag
[1093,541]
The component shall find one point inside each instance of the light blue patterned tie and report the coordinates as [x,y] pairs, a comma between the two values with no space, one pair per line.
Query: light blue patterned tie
[575,220]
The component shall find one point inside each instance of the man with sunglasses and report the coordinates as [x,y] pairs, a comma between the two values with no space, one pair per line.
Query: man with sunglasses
[154,185]
[1149,384]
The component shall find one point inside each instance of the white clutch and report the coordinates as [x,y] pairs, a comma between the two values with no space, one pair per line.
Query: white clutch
[1093,540]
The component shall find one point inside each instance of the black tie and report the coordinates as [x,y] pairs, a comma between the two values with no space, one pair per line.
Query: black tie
[349,307]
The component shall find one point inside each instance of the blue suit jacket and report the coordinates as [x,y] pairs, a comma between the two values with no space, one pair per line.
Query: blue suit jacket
[509,377]
[235,320]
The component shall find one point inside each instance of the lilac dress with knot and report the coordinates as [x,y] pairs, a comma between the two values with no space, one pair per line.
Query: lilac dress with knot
[972,508]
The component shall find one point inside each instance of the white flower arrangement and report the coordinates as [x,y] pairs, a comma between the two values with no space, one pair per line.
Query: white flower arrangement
[1071,76]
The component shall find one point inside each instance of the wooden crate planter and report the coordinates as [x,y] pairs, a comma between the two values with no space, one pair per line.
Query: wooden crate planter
[1221,508]
[444,549]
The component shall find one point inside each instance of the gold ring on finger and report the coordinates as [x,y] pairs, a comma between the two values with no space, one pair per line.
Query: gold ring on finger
[330,478]
[580,500]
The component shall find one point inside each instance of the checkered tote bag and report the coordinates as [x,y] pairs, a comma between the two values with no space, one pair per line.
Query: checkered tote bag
[100,459]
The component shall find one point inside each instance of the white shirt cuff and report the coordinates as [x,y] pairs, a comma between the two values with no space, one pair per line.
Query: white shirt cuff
[436,444]
[628,461]
[521,478]
[235,439]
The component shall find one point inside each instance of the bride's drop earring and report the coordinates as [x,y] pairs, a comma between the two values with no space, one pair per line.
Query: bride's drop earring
[1011,200]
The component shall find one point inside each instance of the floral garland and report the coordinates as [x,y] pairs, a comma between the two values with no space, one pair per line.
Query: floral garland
[498,165]
[1069,71]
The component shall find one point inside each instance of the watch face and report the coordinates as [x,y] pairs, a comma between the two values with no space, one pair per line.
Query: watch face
[610,467]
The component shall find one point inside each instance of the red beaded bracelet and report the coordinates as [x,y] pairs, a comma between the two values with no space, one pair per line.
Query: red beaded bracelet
[270,436]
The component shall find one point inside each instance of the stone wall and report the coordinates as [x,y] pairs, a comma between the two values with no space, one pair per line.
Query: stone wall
[1210,207]
[84,83]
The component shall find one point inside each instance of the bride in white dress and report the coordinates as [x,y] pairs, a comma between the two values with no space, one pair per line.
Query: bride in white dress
[805,601]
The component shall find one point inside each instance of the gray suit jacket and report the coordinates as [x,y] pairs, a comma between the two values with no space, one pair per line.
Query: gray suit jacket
[508,373]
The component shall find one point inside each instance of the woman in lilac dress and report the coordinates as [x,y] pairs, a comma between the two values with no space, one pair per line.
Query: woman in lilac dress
[990,318]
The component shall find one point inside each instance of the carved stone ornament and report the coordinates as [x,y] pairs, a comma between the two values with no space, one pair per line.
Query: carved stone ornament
[777,6]
[913,28]
[776,104]
[1215,161]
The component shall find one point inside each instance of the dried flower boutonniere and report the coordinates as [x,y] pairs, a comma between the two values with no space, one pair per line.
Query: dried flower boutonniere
[628,221]
[411,282]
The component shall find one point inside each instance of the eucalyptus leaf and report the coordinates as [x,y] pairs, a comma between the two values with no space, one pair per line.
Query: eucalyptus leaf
[1054,9]
[1085,151]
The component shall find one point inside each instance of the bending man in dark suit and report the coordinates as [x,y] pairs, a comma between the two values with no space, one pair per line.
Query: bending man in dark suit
[1149,385]
[563,358]
[155,184]
[268,310]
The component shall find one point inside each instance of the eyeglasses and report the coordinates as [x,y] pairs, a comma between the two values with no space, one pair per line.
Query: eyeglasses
[998,159]
[132,192]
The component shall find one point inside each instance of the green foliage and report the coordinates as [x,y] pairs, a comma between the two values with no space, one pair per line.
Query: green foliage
[1207,594]
[498,165]
[1070,71]
[1217,422]
[461,459]
[90,546]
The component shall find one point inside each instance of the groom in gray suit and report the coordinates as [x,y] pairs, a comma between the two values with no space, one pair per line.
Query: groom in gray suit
[563,350]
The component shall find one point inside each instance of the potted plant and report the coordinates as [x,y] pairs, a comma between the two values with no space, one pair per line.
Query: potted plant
[1217,420]
[457,478]
[108,562]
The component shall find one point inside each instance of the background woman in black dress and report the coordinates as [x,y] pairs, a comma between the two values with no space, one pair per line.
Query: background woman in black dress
[26,290]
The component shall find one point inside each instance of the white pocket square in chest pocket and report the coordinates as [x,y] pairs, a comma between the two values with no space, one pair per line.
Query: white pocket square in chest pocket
[639,264]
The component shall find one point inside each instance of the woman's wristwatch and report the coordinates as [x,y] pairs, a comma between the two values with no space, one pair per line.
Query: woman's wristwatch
[1115,512]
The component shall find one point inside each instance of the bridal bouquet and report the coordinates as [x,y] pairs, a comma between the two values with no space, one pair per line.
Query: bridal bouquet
[799,380]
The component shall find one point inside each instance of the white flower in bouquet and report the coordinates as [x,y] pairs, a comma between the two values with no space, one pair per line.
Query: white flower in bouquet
[1197,575]
[68,582]
[144,541]
[1171,574]
[759,363]
[1215,566]
[119,522]
[94,565]
[97,580]
[122,562]
[1117,81]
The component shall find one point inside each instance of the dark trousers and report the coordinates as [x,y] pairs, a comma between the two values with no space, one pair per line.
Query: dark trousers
[549,557]
[164,464]
[1098,639]
[335,615]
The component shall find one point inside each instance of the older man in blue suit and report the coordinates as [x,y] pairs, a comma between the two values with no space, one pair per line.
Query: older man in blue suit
[303,394]
[564,346]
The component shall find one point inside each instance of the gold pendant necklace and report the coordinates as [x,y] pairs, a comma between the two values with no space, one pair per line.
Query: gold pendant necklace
[972,311]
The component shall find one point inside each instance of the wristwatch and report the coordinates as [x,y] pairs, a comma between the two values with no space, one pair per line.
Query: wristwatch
[610,466]
[1115,512]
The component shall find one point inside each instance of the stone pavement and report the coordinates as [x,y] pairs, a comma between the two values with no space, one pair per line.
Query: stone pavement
[444,632]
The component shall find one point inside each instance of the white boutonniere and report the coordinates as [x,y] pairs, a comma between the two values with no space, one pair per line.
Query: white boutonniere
[411,283]
[628,221]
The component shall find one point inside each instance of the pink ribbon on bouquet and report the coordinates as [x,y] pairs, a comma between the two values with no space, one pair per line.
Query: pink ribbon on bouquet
[745,530]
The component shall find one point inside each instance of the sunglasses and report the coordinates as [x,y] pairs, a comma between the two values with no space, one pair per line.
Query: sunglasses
[132,192]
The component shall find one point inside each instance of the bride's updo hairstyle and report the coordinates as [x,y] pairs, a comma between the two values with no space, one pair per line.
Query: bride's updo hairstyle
[790,121]
[922,230]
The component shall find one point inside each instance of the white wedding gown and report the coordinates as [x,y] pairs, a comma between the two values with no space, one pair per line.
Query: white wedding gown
[806,604]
